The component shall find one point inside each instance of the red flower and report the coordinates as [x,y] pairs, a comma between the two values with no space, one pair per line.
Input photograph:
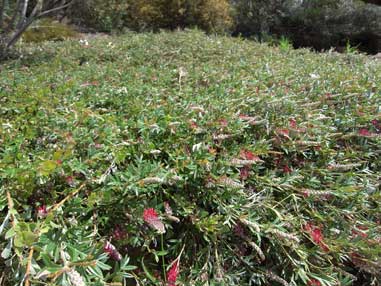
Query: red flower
[305,194]
[376,124]
[244,173]
[223,122]
[316,235]
[112,251]
[70,181]
[119,233]
[245,117]
[360,231]
[292,122]
[248,155]
[42,212]
[173,273]
[286,169]
[193,124]
[364,132]
[239,230]
[283,132]
[151,217]
[314,282]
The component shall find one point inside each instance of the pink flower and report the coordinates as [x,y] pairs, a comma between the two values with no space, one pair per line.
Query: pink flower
[42,212]
[168,209]
[112,251]
[173,273]
[364,132]
[151,217]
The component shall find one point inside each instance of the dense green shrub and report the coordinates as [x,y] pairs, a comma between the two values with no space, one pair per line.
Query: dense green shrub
[100,15]
[320,24]
[261,164]
[48,30]
[210,15]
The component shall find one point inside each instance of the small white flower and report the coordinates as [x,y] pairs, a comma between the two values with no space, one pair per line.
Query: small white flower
[314,76]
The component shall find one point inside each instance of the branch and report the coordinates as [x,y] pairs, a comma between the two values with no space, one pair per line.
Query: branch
[23,10]
[69,196]
[44,13]
[10,208]
[28,266]
[16,36]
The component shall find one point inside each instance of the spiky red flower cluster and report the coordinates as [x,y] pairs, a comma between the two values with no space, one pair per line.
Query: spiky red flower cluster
[292,122]
[314,282]
[244,173]
[316,235]
[360,231]
[173,273]
[364,132]
[112,251]
[248,155]
[151,217]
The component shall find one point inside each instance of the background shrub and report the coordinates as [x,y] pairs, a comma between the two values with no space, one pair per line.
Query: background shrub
[210,15]
[100,15]
[48,30]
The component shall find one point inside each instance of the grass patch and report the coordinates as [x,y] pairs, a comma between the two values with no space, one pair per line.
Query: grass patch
[255,165]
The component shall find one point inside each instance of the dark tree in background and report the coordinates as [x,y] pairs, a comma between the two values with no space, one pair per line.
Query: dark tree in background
[17,16]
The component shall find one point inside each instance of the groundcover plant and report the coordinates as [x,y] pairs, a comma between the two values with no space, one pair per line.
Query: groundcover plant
[186,159]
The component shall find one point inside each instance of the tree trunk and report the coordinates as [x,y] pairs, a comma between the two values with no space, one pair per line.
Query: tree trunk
[21,20]
[3,49]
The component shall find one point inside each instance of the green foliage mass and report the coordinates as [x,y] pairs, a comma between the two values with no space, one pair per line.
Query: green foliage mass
[152,15]
[269,159]
[48,30]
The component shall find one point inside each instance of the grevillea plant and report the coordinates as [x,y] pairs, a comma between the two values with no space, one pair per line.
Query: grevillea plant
[254,165]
